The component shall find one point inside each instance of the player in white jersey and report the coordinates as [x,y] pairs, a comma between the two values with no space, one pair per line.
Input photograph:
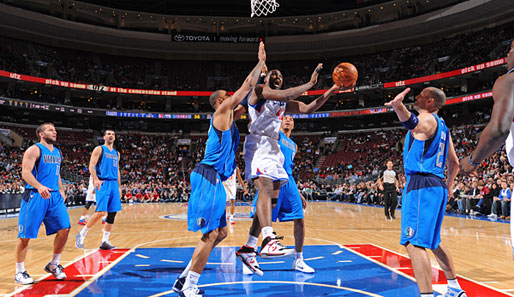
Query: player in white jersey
[500,128]
[90,199]
[263,158]
[231,188]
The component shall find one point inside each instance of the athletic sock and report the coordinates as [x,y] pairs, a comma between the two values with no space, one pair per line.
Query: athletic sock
[188,267]
[252,241]
[191,280]
[20,267]
[83,232]
[267,231]
[427,294]
[454,283]
[55,259]
[298,255]
[105,238]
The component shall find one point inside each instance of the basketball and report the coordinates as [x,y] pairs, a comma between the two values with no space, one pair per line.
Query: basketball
[345,74]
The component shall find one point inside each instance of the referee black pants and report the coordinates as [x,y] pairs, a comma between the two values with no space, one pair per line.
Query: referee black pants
[390,199]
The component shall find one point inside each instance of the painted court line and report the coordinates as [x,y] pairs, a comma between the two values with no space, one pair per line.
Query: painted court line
[337,253]
[171,261]
[315,258]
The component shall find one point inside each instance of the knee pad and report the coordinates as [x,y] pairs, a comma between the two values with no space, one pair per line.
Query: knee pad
[110,217]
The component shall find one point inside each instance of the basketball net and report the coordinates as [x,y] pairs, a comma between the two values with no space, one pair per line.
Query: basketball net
[263,7]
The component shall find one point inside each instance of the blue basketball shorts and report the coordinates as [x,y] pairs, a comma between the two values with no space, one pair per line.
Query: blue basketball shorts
[108,197]
[423,207]
[289,203]
[36,210]
[206,207]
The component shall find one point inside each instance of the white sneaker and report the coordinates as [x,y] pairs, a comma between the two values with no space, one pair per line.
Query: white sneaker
[23,278]
[79,241]
[247,255]
[492,216]
[191,292]
[246,270]
[57,271]
[231,220]
[272,248]
[299,265]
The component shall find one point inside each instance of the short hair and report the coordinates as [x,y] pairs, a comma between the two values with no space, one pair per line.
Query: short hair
[215,95]
[438,95]
[105,131]
[41,128]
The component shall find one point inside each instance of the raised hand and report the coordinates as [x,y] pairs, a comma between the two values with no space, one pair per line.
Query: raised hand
[398,99]
[315,74]
[262,52]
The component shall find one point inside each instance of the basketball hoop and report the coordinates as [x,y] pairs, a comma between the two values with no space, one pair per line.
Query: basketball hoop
[263,7]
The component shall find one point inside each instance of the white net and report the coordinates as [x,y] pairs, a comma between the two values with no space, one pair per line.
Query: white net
[263,7]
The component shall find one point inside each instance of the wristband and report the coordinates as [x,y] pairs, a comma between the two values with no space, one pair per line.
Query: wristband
[411,123]
[471,161]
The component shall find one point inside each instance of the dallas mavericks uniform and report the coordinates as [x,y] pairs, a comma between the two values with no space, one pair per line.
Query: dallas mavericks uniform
[108,196]
[231,186]
[34,208]
[206,208]
[509,147]
[426,194]
[90,196]
[261,150]
[289,204]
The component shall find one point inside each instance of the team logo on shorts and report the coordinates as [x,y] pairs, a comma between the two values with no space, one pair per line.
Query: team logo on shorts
[409,232]
[200,222]
[20,229]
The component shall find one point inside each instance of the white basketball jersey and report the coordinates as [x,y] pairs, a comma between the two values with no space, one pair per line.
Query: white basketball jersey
[509,148]
[266,118]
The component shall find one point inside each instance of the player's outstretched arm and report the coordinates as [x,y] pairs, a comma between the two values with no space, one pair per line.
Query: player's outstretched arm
[498,128]
[424,124]
[295,106]
[250,81]
[267,93]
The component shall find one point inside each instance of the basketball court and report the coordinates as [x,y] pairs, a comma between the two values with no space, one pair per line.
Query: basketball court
[354,250]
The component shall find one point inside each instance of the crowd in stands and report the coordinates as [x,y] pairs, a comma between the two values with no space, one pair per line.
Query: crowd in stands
[86,67]
[155,168]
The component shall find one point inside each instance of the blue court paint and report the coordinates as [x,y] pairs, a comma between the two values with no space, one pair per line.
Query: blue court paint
[356,276]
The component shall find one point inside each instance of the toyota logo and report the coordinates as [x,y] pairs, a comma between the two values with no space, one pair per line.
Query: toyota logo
[179,37]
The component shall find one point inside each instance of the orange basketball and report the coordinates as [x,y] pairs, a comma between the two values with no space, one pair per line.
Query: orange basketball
[345,74]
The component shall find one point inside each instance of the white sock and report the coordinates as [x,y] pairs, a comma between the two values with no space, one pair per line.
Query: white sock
[185,272]
[55,259]
[191,280]
[427,295]
[20,267]
[82,217]
[105,238]
[267,231]
[454,283]
[298,255]
[83,232]
[252,241]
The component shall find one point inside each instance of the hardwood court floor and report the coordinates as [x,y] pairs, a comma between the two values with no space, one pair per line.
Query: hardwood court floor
[481,249]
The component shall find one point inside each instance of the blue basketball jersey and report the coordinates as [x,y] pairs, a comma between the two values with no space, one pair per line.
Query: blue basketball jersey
[427,156]
[220,150]
[107,165]
[288,148]
[47,168]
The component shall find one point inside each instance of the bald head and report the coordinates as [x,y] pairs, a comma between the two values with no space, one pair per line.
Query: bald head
[217,94]
[438,95]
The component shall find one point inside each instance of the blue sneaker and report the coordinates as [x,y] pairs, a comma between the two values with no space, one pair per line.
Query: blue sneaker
[452,292]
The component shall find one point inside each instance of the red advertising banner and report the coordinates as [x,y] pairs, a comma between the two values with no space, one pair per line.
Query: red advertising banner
[432,77]
[67,84]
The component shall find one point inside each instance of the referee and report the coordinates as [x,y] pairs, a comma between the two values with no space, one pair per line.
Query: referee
[388,184]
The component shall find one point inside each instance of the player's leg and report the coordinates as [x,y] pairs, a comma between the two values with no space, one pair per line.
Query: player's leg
[387,202]
[444,258]
[22,277]
[113,206]
[421,267]
[232,210]
[248,252]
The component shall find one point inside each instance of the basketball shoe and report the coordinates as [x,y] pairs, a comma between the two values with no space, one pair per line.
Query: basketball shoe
[272,248]
[248,255]
[455,293]
[179,283]
[82,222]
[23,278]
[191,292]
[57,272]
[299,265]
[105,245]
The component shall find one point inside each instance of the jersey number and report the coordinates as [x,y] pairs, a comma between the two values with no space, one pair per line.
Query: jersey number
[439,162]
[115,163]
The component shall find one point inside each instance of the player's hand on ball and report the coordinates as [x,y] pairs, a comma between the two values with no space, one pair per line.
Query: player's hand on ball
[398,99]
[315,74]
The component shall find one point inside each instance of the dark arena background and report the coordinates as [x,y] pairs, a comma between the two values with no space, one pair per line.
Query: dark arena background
[146,69]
